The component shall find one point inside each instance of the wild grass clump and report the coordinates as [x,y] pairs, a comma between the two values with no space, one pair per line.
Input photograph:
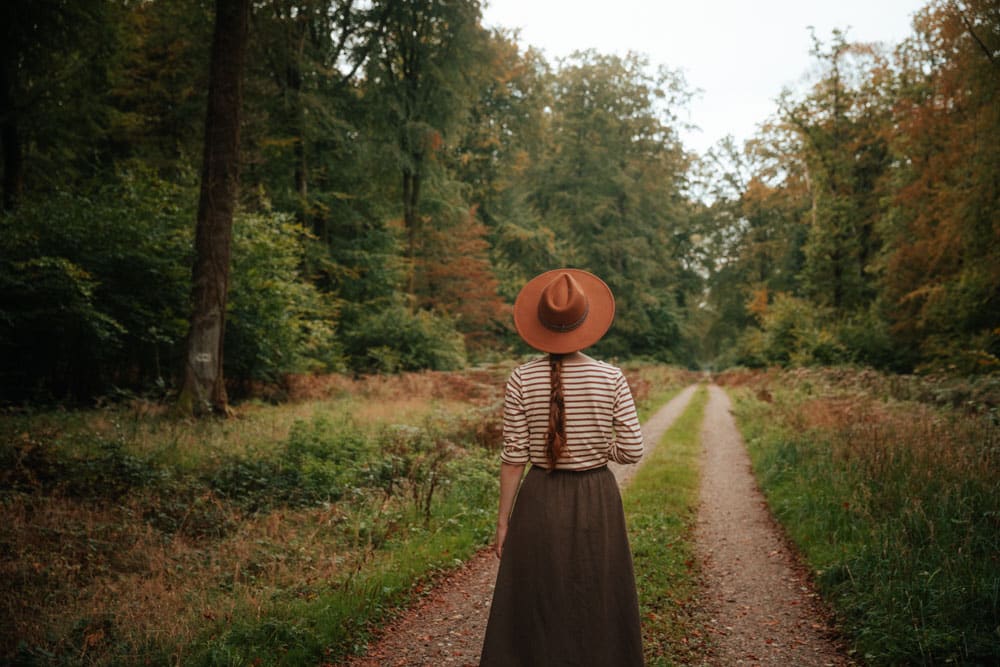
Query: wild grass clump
[896,506]
[661,504]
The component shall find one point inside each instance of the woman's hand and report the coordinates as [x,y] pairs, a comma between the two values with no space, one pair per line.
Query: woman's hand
[500,537]
[510,478]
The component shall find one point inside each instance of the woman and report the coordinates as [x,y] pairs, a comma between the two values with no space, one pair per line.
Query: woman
[565,592]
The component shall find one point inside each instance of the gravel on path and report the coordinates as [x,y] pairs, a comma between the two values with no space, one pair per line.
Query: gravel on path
[761,607]
[447,626]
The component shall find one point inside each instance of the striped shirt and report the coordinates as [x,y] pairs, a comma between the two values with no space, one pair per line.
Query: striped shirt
[601,422]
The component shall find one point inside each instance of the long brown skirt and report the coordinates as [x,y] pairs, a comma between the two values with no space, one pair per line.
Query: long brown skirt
[565,592]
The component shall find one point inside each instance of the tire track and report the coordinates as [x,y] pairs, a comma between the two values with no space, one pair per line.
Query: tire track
[447,627]
[761,607]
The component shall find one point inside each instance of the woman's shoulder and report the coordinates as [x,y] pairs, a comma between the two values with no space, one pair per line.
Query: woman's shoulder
[593,368]
[579,363]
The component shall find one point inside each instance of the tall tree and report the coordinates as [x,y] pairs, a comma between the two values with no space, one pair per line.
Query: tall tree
[505,137]
[840,126]
[612,184]
[204,388]
[942,278]
[304,57]
[422,82]
[54,61]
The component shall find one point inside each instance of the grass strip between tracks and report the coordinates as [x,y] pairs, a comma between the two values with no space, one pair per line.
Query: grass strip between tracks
[661,503]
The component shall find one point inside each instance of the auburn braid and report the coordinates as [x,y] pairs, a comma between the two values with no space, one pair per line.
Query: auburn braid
[555,436]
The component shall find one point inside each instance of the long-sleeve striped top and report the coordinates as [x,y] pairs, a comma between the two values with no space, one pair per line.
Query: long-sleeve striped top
[601,422]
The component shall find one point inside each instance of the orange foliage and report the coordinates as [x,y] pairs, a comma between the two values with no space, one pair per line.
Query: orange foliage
[456,277]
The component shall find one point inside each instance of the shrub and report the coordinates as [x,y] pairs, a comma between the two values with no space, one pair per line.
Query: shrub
[94,288]
[277,321]
[396,339]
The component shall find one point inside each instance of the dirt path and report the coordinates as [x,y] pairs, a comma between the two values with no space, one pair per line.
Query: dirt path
[447,627]
[761,607]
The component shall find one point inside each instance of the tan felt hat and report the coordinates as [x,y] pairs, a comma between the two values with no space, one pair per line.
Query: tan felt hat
[563,311]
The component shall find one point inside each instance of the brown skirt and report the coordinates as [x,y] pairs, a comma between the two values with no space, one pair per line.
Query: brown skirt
[565,592]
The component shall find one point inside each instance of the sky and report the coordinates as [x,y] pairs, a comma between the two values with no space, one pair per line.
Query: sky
[739,53]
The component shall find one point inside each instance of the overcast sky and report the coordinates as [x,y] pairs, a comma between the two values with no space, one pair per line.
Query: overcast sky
[740,53]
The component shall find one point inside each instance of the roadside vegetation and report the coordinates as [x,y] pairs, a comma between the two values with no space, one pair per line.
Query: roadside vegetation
[890,487]
[284,535]
[661,502]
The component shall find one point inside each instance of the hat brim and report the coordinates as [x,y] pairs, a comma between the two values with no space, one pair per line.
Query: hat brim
[600,315]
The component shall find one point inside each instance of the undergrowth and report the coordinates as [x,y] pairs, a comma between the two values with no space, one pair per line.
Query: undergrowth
[283,536]
[278,537]
[896,506]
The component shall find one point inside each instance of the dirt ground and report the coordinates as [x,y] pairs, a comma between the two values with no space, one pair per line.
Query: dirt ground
[760,606]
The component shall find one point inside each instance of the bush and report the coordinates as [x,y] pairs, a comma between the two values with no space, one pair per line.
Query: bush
[93,288]
[395,339]
[793,332]
[277,321]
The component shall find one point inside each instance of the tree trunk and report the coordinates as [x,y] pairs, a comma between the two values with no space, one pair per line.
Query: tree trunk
[204,389]
[411,220]
[13,157]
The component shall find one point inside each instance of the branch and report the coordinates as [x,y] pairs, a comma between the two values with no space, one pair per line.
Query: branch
[968,26]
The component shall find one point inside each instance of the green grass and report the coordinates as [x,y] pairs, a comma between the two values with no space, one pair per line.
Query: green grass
[896,507]
[282,540]
[284,536]
[336,622]
[660,505]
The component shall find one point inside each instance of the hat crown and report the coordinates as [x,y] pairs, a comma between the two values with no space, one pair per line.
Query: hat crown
[563,305]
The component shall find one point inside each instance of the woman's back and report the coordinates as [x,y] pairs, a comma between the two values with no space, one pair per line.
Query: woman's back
[600,414]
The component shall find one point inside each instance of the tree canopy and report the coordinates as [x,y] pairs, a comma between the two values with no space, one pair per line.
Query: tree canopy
[404,170]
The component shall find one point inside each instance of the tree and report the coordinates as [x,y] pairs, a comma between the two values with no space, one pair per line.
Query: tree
[942,283]
[505,137]
[840,126]
[612,185]
[54,61]
[304,59]
[421,78]
[204,388]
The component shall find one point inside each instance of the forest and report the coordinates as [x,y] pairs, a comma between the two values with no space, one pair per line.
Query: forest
[402,170]
[313,217]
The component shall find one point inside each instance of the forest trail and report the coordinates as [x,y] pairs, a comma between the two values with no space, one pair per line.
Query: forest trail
[760,607]
[447,627]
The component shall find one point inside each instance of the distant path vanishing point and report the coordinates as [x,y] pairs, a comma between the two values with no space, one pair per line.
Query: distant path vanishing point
[447,627]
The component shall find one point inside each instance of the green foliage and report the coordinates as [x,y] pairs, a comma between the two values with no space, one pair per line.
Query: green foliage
[278,321]
[867,337]
[396,339]
[95,286]
[611,184]
[896,510]
[792,332]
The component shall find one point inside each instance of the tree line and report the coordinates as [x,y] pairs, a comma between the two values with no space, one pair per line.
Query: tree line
[403,170]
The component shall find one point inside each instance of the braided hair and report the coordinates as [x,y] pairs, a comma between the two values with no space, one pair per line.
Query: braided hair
[555,436]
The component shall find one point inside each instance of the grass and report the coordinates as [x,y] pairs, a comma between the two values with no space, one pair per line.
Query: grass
[282,536]
[661,504]
[278,536]
[896,507]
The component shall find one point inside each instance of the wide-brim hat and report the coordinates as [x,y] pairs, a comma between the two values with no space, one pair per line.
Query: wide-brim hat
[563,311]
